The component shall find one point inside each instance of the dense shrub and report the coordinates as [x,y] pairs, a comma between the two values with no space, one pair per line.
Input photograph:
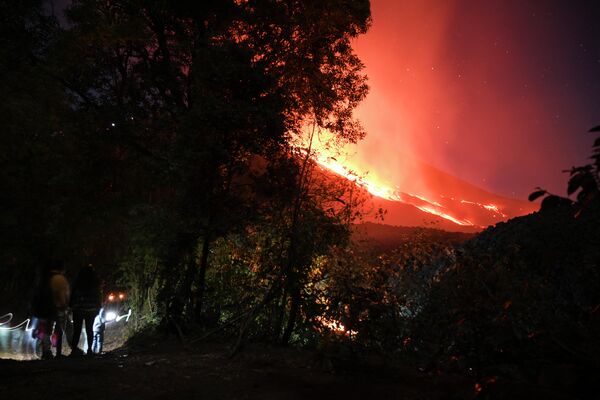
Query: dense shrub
[521,292]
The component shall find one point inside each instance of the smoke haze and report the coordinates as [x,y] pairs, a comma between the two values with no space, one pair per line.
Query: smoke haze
[497,93]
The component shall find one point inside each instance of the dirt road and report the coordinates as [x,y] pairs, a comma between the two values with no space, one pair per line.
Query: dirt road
[207,373]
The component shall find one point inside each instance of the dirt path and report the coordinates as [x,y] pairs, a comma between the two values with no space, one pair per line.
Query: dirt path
[205,372]
[174,373]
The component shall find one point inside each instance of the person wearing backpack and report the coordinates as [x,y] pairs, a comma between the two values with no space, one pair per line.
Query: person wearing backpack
[86,299]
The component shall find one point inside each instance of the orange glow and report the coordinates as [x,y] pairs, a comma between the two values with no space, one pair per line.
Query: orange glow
[121,296]
[489,207]
[460,85]
[436,195]
[111,297]
[387,192]
[454,109]
[335,326]
[433,211]
[445,121]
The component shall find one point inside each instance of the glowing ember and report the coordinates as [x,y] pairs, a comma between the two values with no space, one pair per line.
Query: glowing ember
[335,326]
[431,210]
[490,207]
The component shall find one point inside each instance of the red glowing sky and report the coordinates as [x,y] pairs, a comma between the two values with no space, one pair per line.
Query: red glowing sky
[498,93]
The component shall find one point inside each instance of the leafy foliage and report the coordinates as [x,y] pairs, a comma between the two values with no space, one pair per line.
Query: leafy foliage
[584,180]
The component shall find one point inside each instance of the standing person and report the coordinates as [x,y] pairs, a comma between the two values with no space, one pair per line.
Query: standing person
[50,306]
[60,300]
[85,303]
[99,327]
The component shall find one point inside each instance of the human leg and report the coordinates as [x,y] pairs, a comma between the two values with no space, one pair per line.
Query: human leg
[89,326]
[100,340]
[44,333]
[59,329]
[77,325]
[69,328]
[96,342]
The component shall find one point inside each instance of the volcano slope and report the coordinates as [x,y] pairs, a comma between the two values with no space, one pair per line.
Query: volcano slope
[428,197]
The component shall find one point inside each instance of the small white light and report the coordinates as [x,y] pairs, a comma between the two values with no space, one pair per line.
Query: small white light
[112,124]
[111,316]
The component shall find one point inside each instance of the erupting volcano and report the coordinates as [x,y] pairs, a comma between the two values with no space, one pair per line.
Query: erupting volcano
[484,91]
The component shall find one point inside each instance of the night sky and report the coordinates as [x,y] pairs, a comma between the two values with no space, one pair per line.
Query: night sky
[498,93]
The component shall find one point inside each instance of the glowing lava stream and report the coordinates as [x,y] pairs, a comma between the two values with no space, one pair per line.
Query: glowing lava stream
[489,207]
[387,193]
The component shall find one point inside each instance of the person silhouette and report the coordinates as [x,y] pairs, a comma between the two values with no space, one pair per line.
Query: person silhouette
[99,328]
[50,306]
[86,299]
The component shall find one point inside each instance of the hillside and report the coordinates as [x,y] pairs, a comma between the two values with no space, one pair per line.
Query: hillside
[382,237]
[432,198]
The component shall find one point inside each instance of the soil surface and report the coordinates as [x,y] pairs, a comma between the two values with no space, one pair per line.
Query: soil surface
[172,371]
[206,371]
[167,369]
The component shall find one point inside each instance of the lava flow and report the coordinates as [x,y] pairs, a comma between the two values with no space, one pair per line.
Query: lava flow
[462,206]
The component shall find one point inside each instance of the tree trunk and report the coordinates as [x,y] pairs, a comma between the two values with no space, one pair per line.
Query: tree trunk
[202,276]
[177,293]
[291,322]
[251,315]
[279,314]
